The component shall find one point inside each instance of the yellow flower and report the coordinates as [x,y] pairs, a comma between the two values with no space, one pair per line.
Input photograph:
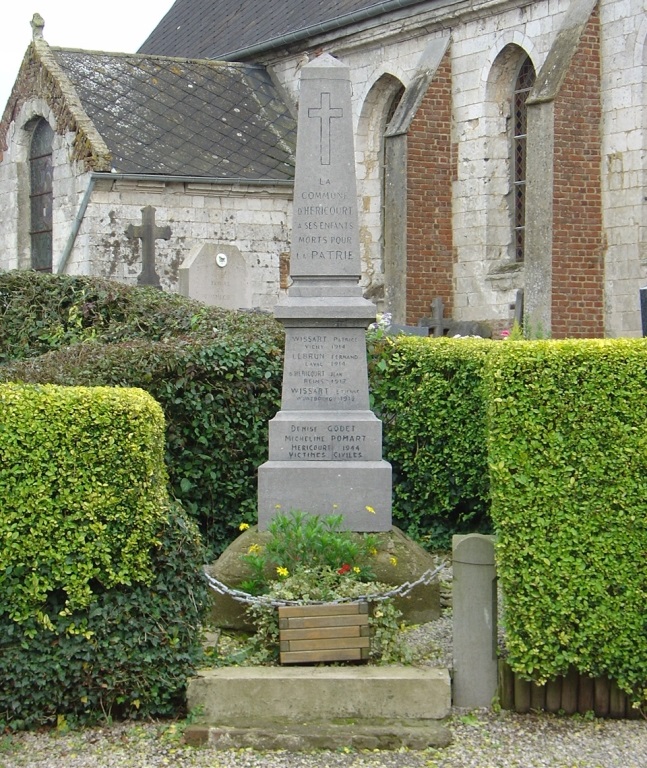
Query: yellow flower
[393,560]
[370,509]
[281,571]
[254,549]
[277,506]
[373,552]
[243,526]
[357,570]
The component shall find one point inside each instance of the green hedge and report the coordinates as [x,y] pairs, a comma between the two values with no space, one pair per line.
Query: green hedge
[568,462]
[139,645]
[431,397]
[83,489]
[217,375]
[101,594]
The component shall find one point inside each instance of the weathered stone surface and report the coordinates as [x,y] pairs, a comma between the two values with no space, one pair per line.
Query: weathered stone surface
[301,737]
[399,559]
[250,695]
[475,620]
[217,274]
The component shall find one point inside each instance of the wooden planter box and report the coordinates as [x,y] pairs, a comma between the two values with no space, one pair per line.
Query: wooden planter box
[310,634]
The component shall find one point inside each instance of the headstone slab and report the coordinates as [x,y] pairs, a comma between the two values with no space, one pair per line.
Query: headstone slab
[216,274]
[325,448]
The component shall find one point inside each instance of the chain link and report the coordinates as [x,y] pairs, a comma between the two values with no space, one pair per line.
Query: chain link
[244,597]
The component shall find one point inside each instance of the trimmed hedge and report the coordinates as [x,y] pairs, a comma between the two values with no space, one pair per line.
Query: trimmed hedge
[568,461]
[83,489]
[217,375]
[430,395]
[101,594]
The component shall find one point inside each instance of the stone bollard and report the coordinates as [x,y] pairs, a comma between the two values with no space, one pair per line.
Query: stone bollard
[474,600]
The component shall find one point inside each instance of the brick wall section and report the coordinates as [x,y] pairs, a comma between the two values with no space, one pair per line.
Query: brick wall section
[578,237]
[430,171]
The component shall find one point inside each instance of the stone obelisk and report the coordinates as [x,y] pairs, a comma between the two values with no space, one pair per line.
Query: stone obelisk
[325,445]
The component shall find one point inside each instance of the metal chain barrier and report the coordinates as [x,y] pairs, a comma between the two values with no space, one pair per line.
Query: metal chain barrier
[244,597]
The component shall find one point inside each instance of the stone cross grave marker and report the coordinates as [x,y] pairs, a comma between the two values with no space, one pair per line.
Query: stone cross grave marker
[148,232]
[325,446]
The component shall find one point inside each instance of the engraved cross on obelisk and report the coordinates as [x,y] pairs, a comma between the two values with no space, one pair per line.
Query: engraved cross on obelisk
[148,232]
[325,113]
[325,446]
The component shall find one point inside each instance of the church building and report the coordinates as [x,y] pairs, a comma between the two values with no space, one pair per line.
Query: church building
[501,156]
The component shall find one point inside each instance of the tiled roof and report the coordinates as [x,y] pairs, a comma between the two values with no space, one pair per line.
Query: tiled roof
[214,28]
[175,117]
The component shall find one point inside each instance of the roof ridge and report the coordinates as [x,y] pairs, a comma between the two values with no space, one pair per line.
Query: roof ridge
[149,56]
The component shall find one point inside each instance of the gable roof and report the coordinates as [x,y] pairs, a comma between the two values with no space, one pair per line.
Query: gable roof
[180,117]
[226,28]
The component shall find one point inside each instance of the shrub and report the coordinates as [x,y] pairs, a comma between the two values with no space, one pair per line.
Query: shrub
[83,488]
[217,375]
[41,312]
[139,645]
[431,397]
[568,461]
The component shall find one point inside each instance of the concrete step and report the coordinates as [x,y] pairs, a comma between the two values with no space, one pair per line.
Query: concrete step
[299,708]
[305,737]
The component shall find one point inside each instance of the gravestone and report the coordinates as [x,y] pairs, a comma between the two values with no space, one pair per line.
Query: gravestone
[325,445]
[148,232]
[217,275]
[643,310]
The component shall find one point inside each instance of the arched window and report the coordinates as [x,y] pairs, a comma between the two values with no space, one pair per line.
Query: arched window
[40,195]
[524,82]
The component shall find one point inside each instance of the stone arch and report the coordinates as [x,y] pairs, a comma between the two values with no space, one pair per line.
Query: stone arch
[376,110]
[19,209]
[505,260]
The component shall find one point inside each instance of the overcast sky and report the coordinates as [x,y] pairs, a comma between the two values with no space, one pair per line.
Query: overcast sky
[96,25]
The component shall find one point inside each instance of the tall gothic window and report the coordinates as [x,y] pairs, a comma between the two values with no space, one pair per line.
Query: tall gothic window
[524,82]
[40,195]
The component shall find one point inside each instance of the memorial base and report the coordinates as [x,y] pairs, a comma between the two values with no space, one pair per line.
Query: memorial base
[358,490]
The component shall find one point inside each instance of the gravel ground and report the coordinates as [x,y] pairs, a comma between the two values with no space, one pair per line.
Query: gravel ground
[482,739]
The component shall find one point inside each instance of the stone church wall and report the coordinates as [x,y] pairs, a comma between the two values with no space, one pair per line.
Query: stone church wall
[599,225]
[624,160]
[251,220]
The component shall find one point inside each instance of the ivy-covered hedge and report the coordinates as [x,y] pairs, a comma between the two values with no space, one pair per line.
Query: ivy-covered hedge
[568,460]
[137,647]
[216,374]
[430,395]
[101,594]
[83,489]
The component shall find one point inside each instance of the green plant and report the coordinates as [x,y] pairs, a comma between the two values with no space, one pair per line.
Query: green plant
[324,584]
[431,398]
[216,374]
[142,643]
[298,540]
[568,463]
[87,464]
